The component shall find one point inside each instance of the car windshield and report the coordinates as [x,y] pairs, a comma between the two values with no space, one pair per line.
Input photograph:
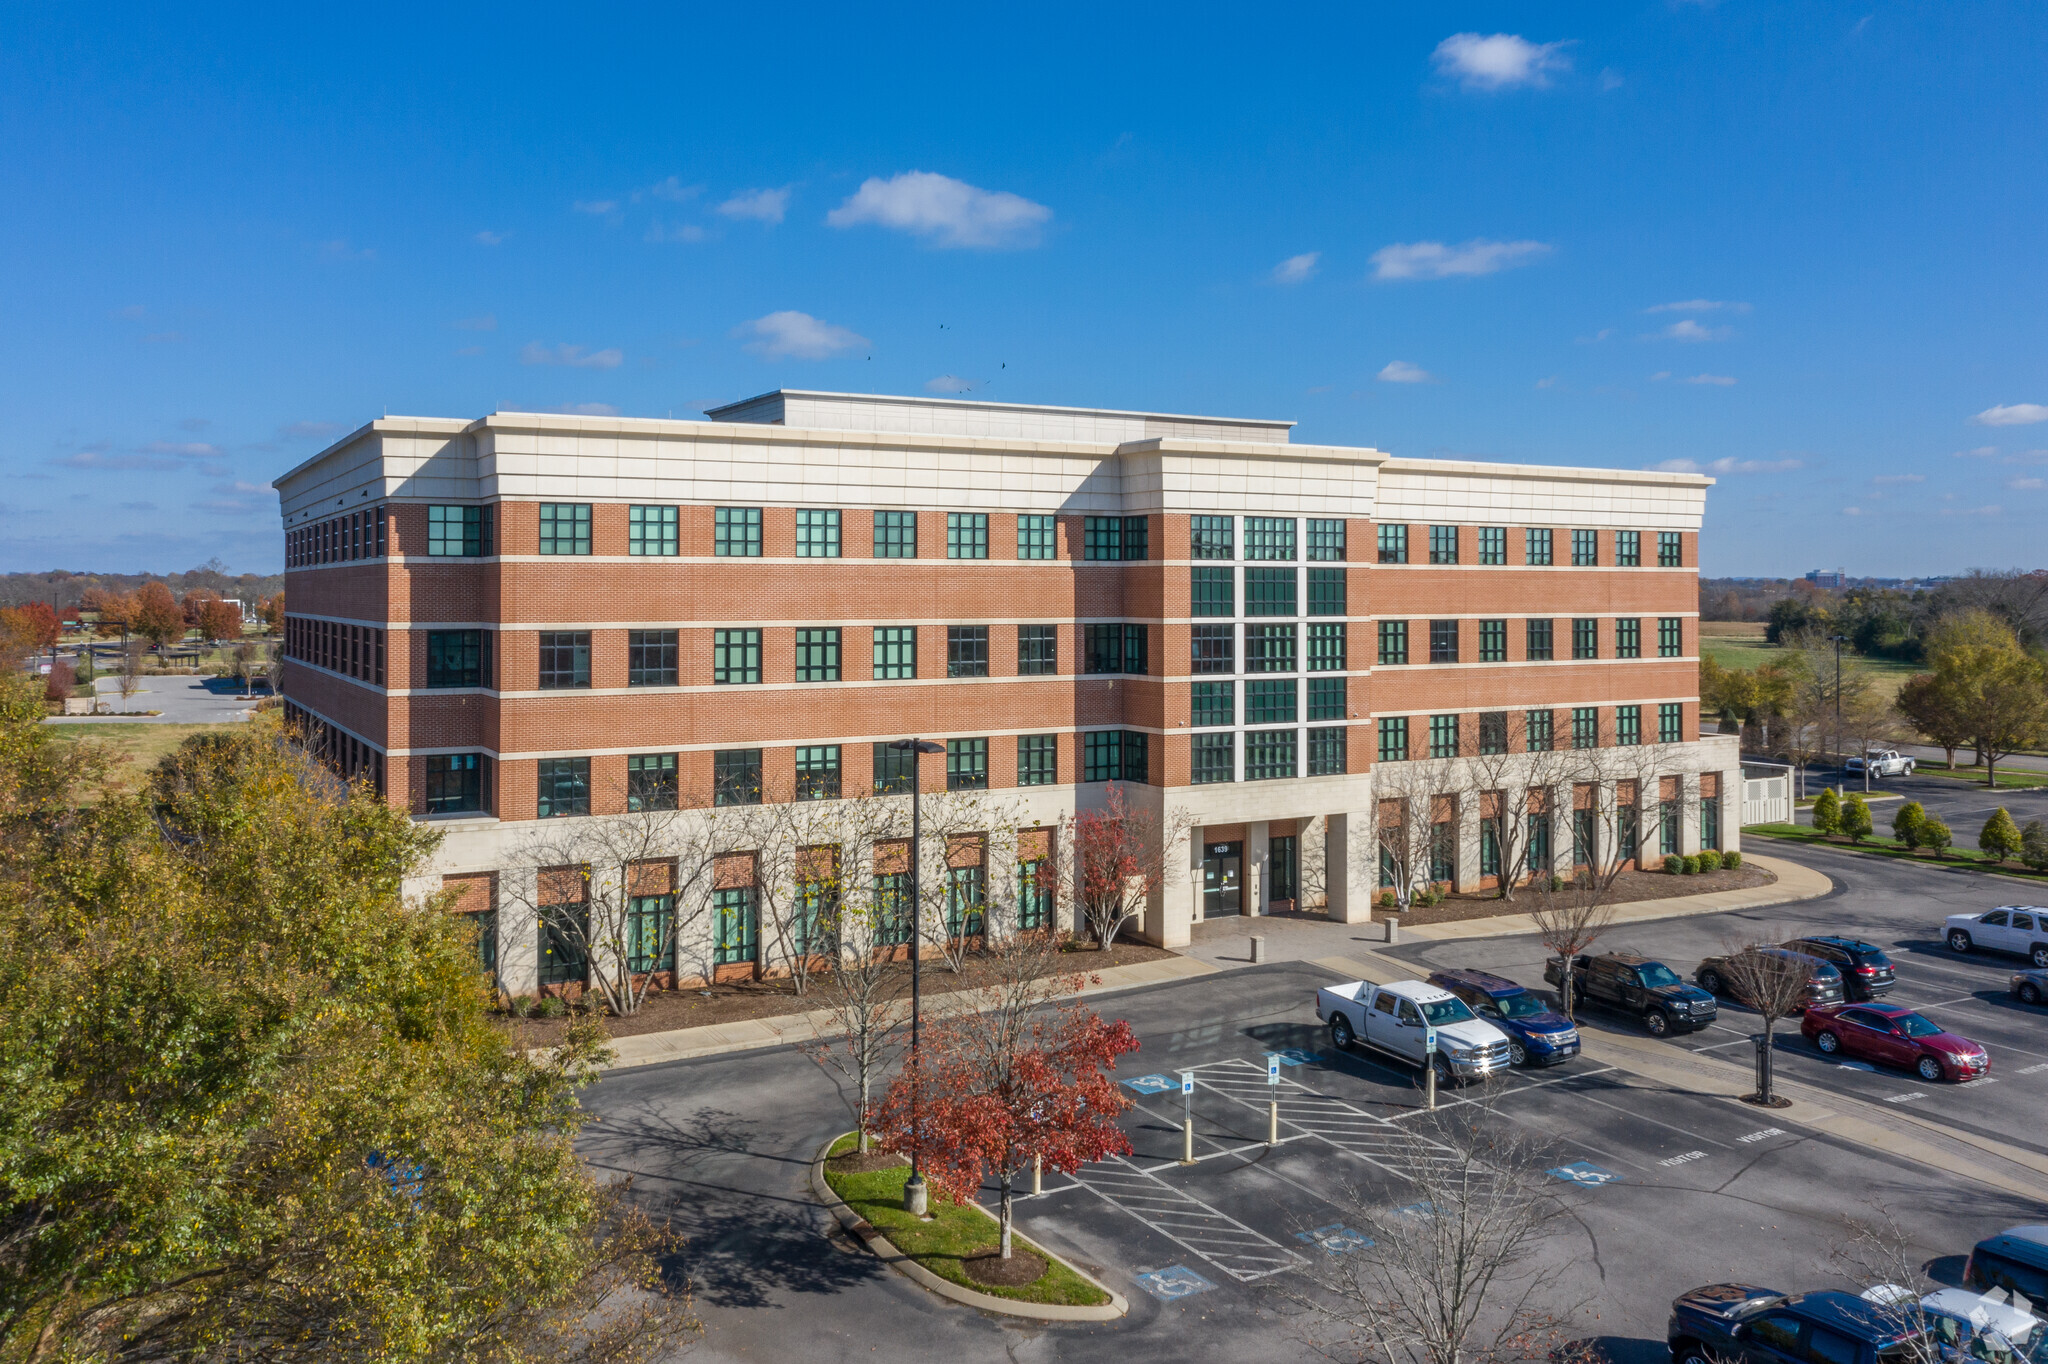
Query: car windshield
[1443,1011]
[1521,1006]
[1916,1026]
[1656,973]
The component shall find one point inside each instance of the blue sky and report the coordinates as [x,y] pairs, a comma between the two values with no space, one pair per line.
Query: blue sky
[1796,245]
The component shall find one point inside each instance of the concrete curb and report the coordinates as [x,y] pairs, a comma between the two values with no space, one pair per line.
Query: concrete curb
[752,1034]
[885,1250]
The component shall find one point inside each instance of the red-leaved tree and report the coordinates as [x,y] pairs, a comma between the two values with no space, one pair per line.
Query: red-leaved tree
[1023,1080]
[1112,859]
[44,629]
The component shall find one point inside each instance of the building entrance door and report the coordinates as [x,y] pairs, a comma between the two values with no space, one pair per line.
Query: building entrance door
[1222,872]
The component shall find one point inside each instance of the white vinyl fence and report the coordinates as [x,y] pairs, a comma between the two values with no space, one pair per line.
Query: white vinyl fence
[1767,800]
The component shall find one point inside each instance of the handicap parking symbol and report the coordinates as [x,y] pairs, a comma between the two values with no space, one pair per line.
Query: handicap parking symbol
[1421,1210]
[1173,1282]
[1295,1056]
[1584,1172]
[1335,1239]
[1153,1084]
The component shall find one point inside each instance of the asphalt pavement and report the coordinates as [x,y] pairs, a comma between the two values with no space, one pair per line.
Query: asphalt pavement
[1667,1189]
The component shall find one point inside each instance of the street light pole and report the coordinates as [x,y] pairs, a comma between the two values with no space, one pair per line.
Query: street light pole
[1838,641]
[914,1196]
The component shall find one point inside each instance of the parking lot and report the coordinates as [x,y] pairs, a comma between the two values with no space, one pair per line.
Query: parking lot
[1666,1189]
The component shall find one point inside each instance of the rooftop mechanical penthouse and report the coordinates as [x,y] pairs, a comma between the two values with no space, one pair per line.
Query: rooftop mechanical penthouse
[517,622]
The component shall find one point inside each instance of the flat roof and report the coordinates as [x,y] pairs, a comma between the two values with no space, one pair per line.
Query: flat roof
[970,404]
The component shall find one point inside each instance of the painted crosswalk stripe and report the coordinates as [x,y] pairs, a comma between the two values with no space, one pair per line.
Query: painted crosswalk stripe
[1187,1221]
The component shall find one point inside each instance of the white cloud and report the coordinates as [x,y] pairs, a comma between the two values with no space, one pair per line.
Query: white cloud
[1295,269]
[1660,375]
[1883,480]
[534,353]
[674,190]
[1717,380]
[1729,465]
[490,238]
[1854,511]
[766,205]
[1401,372]
[237,488]
[1978,452]
[1434,260]
[1499,61]
[2027,483]
[791,334]
[1550,382]
[943,211]
[191,449]
[483,322]
[2012,414]
[309,430]
[949,383]
[1686,329]
[1697,305]
[681,232]
[597,206]
[1596,337]
[340,250]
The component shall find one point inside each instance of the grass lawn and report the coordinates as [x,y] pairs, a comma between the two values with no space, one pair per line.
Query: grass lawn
[136,746]
[1884,845]
[2007,777]
[954,1234]
[1741,644]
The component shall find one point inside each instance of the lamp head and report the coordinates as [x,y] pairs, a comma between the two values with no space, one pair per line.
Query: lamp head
[917,746]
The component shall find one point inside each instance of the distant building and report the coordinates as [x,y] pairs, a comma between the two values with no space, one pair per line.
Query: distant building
[1821,577]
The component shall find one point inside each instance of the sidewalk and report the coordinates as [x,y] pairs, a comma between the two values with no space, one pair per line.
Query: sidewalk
[1224,946]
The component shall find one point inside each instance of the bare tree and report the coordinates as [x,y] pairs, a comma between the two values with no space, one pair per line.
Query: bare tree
[1768,979]
[1875,1255]
[975,838]
[1513,782]
[798,846]
[131,668]
[1465,1274]
[624,889]
[1872,722]
[1570,920]
[1406,793]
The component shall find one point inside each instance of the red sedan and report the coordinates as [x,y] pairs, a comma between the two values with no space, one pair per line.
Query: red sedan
[1893,1035]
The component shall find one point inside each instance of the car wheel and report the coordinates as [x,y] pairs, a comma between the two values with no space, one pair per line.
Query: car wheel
[1518,1055]
[2030,993]
[1446,1078]
[1929,1068]
[1710,981]
[1657,1022]
[2039,955]
[1958,941]
[1691,1354]
[1828,1043]
[1340,1032]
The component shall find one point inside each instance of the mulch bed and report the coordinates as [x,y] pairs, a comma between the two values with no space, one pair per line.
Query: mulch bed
[1630,887]
[854,1163]
[992,1269]
[733,1002]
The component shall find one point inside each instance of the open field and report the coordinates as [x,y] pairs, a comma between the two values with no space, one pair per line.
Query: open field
[1741,644]
[136,747]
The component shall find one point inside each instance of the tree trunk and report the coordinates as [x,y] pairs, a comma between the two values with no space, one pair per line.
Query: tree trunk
[862,1137]
[1006,1214]
[1567,987]
[1949,749]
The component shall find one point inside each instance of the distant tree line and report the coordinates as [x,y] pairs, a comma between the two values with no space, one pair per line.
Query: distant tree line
[1882,622]
[66,590]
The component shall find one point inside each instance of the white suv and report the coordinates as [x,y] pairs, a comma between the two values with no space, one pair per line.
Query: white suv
[2020,929]
[1882,762]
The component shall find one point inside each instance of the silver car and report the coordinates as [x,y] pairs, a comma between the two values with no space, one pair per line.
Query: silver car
[2030,987]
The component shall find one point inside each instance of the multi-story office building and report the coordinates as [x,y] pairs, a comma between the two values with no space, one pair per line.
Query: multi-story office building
[528,617]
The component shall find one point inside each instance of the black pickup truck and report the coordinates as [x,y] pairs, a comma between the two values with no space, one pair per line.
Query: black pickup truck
[1636,985]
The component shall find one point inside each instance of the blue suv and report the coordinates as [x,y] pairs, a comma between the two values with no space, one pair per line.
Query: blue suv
[1537,1034]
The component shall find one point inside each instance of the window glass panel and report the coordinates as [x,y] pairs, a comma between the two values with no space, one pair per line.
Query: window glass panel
[1326,648]
[966,535]
[817,533]
[1326,592]
[563,932]
[1137,537]
[966,899]
[1585,548]
[1213,703]
[454,783]
[1585,727]
[1536,547]
[735,657]
[456,531]
[1493,731]
[1585,638]
[1102,537]
[894,768]
[1326,541]
[817,655]
[1037,650]
[1114,755]
[1326,751]
[651,530]
[1628,637]
[966,764]
[1443,641]
[1443,736]
[651,658]
[1443,544]
[1270,702]
[565,528]
[1212,537]
[1102,648]
[1134,650]
[1393,544]
[651,781]
[895,652]
[1269,537]
[1670,549]
[967,651]
[562,787]
[895,535]
[1037,759]
[1628,725]
[1539,641]
[1269,754]
[1269,648]
[1269,592]
[650,933]
[736,532]
[1493,641]
[1214,648]
[1670,636]
[1393,642]
[1211,592]
[564,658]
[1537,731]
[736,926]
[817,772]
[1670,723]
[736,776]
[1213,758]
[1628,549]
[1393,732]
[1035,537]
[455,658]
[1326,698]
[1493,544]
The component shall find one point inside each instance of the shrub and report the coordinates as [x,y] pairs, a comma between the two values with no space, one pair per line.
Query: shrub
[1731,860]
[2034,845]
[1935,835]
[1709,860]
[1856,819]
[1908,822]
[1673,864]
[1692,865]
[2000,838]
[1387,899]
[548,1006]
[1827,812]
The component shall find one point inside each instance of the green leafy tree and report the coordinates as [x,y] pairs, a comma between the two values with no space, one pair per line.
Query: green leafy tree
[1935,835]
[1827,812]
[287,1129]
[2000,838]
[1933,705]
[2034,845]
[1856,822]
[1908,822]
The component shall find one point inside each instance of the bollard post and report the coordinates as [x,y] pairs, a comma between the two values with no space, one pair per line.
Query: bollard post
[1258,948]
[1187,1121]
[1273,1123]
[1429,1082]
[1393,932]
[1273,1101]
[1038,1174]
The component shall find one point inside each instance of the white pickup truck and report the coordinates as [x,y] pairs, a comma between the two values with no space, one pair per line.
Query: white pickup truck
[1397,1019]
[1882,762]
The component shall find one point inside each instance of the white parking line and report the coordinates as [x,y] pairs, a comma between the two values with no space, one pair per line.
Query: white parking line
[1187,1221]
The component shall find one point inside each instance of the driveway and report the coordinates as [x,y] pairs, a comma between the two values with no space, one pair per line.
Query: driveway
[183,701]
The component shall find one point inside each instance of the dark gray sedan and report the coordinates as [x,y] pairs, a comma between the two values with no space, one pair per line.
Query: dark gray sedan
[2030,986]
